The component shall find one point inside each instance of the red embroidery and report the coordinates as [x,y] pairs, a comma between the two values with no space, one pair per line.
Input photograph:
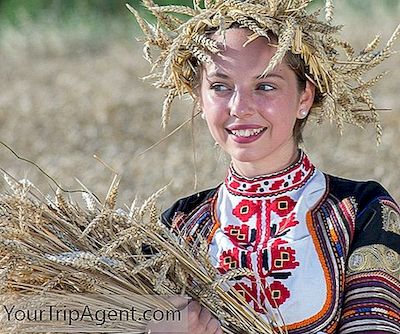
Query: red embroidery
[254,187]
[297,176]
[235,184]
[307,164]
[277,184]
[238,234]
[277,294]
[252,295]
[229,260]
[270,261]
[287,223]
[246,209]
[273,184]
[283,258]
[282,205]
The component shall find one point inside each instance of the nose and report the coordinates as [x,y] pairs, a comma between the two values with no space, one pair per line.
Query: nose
[241,104]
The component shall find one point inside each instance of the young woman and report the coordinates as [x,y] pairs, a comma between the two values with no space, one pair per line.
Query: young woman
[324,250]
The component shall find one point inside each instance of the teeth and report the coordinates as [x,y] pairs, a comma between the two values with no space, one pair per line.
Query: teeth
[247,132]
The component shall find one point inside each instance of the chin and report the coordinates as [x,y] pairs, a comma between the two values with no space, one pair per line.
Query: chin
[246,157]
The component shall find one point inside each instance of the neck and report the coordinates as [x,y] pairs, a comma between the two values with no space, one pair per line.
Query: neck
[275,164]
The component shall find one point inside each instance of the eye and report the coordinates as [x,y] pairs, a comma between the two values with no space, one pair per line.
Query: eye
[265,87]
[218,87]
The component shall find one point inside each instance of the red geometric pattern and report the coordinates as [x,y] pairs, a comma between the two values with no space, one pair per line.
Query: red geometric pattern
[286,223]
[254,187]
[246,209]
[283,258]
[235,184]
[239,235]
[289,179]
[277,184]
[277,294]
[297,177]
[261,217]
[282,206]
[229,260]
[252,295]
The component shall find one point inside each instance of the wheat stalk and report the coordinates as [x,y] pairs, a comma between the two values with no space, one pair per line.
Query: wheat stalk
[102,251]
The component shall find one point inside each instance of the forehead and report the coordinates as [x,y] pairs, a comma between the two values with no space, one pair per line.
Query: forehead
[252,57]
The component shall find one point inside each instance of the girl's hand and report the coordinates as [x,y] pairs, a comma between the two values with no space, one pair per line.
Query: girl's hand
[200,320]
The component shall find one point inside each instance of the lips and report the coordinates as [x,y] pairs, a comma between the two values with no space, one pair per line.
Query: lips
[246,133]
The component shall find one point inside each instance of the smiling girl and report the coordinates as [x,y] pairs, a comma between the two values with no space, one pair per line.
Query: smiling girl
[250,116]
[324,250]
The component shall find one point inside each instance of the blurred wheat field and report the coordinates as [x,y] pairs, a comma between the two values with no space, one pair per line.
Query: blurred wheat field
[65,95]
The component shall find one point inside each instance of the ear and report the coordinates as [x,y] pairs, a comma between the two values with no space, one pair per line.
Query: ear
[197,100]
[306,100]
[197,103]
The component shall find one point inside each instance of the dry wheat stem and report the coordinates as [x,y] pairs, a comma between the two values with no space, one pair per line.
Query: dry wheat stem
[63,253]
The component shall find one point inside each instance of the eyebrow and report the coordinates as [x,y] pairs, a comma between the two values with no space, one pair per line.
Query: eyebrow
[224,76]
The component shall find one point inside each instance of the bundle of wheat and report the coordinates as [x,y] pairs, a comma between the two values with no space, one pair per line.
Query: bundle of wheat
[54,246]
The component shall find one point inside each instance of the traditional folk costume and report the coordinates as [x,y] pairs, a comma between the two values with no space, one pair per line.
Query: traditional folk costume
[324,250]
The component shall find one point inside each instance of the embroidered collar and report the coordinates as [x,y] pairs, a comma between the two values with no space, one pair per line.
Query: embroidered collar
[293,177]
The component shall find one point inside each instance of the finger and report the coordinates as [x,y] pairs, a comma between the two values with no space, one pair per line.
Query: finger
[219,331]
[205,316]
[194,309]
[179,302]
[213,325]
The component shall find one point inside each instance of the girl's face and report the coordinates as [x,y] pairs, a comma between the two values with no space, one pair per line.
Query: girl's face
[250,117]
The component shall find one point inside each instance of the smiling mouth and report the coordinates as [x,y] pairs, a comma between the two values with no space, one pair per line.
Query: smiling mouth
[247,132]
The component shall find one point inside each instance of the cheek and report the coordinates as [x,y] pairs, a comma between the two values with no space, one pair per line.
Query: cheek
[284,108]
[216,118]
[214,109]
[215,128]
